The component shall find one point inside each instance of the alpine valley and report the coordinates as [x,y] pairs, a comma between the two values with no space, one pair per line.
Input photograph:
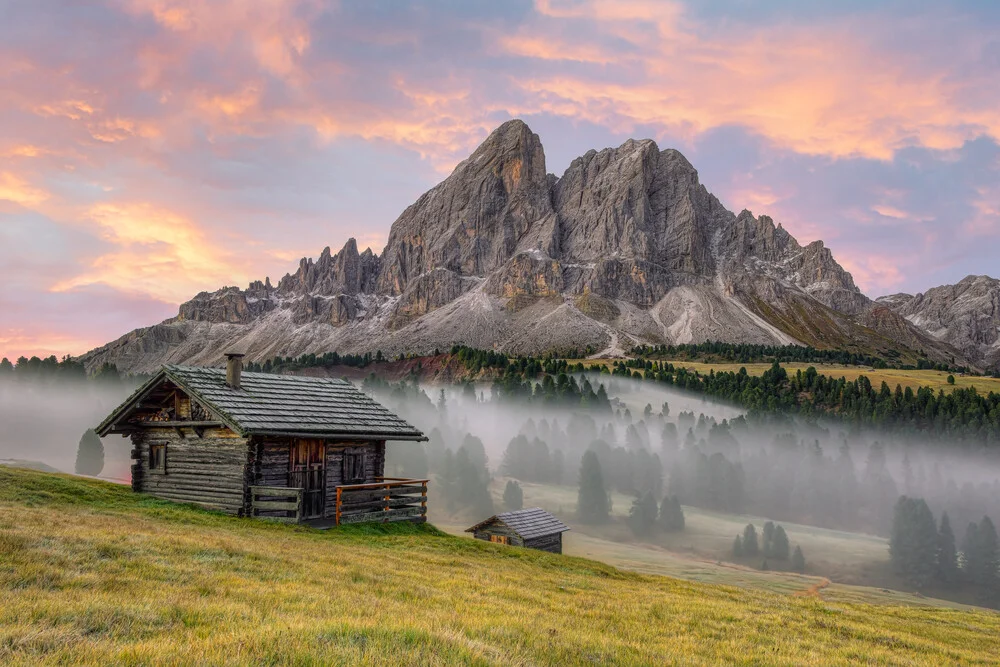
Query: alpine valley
[626,247]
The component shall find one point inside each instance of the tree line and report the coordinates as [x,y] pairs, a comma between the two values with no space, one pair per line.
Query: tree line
[962,414]
[925,552]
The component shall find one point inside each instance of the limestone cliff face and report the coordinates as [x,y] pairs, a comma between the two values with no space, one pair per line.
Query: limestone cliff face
[966,314]
[472,222]
[626,246]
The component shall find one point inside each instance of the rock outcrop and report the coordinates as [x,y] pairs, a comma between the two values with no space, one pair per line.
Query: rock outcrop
[966,315]
[626,247]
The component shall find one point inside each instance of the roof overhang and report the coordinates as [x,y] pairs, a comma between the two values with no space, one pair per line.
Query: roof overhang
[367,437]
[110,424]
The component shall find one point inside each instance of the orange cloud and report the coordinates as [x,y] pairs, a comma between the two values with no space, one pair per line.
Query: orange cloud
[813,90]
[156,252]
[16,189]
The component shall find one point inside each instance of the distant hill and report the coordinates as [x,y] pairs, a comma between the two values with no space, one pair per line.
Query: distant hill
[94,574]
[626,247]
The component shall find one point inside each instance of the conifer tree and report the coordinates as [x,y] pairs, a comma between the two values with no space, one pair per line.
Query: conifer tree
[947,555]
[513,496]
[471,482]
[982,554]
[767,534]
[750,545]
[90,454]
[671,514]
[914,541]
[798,560]
[642,514]
[779,544]
[737,547]
[593,503]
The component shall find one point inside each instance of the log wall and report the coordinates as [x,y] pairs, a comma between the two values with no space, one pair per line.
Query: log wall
[209,471]
[374,453]
[552,543]
[499,529]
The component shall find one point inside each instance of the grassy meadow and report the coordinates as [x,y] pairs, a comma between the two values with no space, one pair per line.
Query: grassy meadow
[858,564]
[913,379]
[92,574]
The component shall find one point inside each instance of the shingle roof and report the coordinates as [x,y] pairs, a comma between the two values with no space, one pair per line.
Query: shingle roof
[267,404]
[528,523]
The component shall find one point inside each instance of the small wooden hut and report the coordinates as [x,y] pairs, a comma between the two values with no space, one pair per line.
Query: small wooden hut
[255,444]
[532,527]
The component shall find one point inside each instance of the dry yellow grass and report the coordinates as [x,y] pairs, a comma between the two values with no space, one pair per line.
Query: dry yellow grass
[914,379]
[91,574]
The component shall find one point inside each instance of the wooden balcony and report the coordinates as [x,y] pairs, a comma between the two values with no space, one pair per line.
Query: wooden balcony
[387,499]
[284,499]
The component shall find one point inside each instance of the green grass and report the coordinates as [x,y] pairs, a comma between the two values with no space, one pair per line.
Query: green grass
[92,574]
[857,563]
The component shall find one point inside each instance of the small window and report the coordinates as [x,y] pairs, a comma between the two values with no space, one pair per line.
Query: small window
[158,458]
[354,468]
[500,539]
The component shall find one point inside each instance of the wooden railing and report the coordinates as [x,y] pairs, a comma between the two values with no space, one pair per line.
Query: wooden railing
[387,499]
[277,498]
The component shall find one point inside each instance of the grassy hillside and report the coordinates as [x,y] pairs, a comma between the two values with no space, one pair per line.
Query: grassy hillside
[90,573]
[857,563]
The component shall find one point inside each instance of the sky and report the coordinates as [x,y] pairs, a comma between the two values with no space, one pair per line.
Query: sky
[153,149]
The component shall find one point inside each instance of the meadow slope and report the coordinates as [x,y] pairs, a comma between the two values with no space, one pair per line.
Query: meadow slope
[92,574]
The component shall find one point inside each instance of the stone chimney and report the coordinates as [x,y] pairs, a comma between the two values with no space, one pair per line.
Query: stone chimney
[234,369]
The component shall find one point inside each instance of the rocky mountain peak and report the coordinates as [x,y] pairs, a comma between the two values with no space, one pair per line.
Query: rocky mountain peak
[626,246]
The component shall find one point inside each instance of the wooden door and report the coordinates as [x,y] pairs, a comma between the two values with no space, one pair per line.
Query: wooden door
[307,471]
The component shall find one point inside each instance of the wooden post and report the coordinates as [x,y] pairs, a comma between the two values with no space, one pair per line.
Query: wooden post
[339,489]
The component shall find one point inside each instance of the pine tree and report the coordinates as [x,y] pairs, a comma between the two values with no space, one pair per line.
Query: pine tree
[90,454]
[914,541]
[984,559]
[779,544]
[593,503]
[472,492]
[798,560]
[750,546]
[513,496]
[947,555]
[671,514]
[737,547]
[969,556]
[767,534]
[642,514]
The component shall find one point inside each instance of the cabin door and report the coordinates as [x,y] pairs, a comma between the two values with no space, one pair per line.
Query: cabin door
[307,471]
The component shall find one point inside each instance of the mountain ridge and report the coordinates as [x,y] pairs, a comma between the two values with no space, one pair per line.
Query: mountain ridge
[627,246]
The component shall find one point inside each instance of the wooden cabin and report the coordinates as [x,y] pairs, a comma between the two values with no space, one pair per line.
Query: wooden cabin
[533,528]
[292,448]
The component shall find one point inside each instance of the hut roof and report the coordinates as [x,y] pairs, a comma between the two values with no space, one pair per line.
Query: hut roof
[289,405]
[529,523]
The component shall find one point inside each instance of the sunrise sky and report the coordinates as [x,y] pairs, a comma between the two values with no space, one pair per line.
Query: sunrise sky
[151,149]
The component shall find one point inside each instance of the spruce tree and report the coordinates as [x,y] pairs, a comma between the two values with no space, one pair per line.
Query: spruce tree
[798,560]
[914,541]
[779,544]
[750,546]
[671,514]
[947,555]
[767,535]
[513,496]
[969,556]
[90,454]
[642,514]
[987,563]
[593,503]
[737,547]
